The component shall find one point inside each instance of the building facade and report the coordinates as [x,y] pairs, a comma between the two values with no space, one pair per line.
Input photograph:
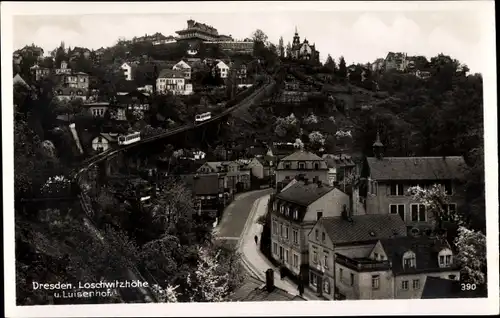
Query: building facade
[387,180]
[294,213]
[304,50]
[348,235]
[396,61]
[395,268]
[184,68]
[303,163]
[127,71]
[174,82]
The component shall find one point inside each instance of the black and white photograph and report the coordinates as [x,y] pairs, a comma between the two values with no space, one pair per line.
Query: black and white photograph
[174,155]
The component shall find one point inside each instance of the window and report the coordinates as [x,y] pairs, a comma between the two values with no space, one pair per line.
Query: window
[287,211]
[286,232]
[404,285]
[275,248]
[287,260]
[323,237]
[325,259]
[376,256]
[314,280]
[416,284]
[450,211]
[281,229]
[316,235]
[352,279]
[409,260]
[396,189]
[287,165]
[295,237]
[302,165]
[282,209]
[316,166]
[315,256]
[397,209]
[448,188]
[295,260]
[447,260]
[374,187]
[319,215]
[341,274]
[375,281]
[452,276]
[296,214]
[326,286]
[418,213]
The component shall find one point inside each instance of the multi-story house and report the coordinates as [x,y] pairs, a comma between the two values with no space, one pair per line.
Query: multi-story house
[396,61]
[184,68]
[378,65]
[301,163]
[387,180]
[294,213]
[223,68]
[394,268]
[343,164]
[348,235]
[304,50]
[173,81]
[39,72]
[63,69]
[237,175]
[127,71]
[134,101]
[74,80]
[69,93]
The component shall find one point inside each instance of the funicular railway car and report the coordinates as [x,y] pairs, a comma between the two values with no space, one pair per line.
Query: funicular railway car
[202,117]
[129,138]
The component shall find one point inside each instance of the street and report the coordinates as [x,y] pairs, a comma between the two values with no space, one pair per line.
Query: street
[243,229]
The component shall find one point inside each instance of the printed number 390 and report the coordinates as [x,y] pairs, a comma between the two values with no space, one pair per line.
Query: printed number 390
[468,286]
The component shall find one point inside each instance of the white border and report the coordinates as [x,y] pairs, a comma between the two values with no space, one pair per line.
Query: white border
[370,307]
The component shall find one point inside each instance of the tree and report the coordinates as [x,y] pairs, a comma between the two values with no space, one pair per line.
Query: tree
[342,71]
[471,255]
[316,139]
[435,201]
[208,283]
[259,36]
[330,64]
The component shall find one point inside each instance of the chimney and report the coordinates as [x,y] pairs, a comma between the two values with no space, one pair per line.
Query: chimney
[269,280]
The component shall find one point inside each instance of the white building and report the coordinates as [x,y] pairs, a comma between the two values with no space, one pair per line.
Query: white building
[63,69]
[173,81]
[223,68]
[184,68]
[127,71]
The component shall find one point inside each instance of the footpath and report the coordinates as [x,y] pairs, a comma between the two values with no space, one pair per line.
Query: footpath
[255,261]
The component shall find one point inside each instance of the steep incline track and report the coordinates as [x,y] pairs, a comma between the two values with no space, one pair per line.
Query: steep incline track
[133,273]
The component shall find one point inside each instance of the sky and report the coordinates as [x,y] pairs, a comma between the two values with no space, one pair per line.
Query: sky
[359,36]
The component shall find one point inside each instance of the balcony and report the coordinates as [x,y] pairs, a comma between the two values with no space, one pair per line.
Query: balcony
[362,264]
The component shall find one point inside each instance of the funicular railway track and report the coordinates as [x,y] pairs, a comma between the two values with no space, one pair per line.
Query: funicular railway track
[77,180]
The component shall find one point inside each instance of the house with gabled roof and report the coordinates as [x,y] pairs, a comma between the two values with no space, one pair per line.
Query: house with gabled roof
[349,235]
[304,163]
[170,80]
[385,181]
[184,67]
[295,211]
[395,268]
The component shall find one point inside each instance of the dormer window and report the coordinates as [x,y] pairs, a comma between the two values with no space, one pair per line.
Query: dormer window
[296,214]
[409,260]
[445,258]
[282,209]
[316,166]
[287,165]
[302,165]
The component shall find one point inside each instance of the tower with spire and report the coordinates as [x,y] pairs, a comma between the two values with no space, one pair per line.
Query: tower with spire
[303,50]
[378,147]
[281,48]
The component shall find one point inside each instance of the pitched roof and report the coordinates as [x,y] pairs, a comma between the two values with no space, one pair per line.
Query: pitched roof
[206,184]
[169,73]
[363,228]
[426,252]
[338,160]
[302,155]
[417,168]
[303,194]
[255,290]
[436,287]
